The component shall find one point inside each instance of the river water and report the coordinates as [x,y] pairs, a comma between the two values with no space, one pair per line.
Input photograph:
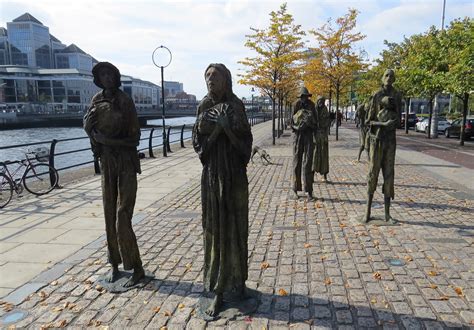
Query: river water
[32,135]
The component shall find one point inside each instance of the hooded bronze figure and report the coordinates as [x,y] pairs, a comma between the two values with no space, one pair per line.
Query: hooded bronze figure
[223,141]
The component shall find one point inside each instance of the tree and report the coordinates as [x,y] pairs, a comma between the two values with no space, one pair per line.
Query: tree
[457,43]
[425,67]
[278,49]
[335,58]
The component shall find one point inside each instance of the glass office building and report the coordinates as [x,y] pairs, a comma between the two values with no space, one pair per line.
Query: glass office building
[30,42]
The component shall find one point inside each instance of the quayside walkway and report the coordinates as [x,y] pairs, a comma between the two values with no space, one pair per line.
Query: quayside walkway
[314,265]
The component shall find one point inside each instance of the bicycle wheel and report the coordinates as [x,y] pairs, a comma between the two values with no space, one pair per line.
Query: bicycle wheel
[6,190]
[40,179]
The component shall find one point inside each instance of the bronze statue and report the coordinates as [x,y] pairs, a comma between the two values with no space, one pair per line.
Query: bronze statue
[112,125]
[223,141]
[361,113]
[382,119]
[304,124]
[321,150]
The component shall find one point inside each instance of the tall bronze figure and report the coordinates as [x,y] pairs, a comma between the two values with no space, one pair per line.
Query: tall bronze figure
[382,120]
[223,141]
[361,114]
[321,150]
[304,124]
[112,125]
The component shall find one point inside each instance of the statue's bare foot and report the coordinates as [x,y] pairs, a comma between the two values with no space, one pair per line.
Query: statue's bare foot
[365,218]
[138,274]
[294,195]
[215,305]
[310,197]
[389,219]
[113,275]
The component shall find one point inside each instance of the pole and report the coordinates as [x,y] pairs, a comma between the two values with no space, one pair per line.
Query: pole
[442,18]
[252,113]
[163,113]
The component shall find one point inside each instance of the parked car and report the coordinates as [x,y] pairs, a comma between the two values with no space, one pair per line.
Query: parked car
[422,126]
[412,120]
[443,124]
[455,128]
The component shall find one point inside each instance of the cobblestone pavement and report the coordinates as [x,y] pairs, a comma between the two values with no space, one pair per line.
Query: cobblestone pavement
[313,264]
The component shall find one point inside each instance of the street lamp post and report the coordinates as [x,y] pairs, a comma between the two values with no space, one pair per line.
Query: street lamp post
[251,107]
[161,58]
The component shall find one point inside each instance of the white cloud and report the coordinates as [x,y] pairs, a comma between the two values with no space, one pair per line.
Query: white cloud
[200,32]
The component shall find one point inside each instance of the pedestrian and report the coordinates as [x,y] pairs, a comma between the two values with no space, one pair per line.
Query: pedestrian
[112,125]
[304,124]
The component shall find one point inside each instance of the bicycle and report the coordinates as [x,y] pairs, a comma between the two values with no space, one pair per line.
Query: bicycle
[38,178]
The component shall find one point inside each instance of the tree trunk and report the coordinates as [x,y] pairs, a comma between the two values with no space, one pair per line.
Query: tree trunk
[465,101]
[337,111]
[430,103]
[279,117]
[330,104]
[273,121]
[407,113]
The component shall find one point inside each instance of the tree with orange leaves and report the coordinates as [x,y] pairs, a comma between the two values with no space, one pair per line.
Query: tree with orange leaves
[278,49]
[334,63]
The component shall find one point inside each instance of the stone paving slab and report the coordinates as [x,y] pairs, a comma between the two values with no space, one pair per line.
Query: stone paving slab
[314,267]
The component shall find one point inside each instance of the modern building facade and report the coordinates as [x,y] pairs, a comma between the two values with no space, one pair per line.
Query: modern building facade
[46,91]
[41,75]
[172,88]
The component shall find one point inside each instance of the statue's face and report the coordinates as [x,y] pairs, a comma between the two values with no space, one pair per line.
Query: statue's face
[107,78]
[388,78]
[321,102]
[215,81]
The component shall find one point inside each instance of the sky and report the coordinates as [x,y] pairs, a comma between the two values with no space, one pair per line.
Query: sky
[198,33]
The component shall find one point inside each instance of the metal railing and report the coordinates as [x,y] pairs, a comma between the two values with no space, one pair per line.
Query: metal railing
[146,133]
[165,143]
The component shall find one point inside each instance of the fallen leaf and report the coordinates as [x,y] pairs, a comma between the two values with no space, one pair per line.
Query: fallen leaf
[61,324]
[307,245]
[167,313]
[373,301]
[42,294]
[188,266]
[181,306]
[54,283]
[327,281]
[432,273]
[342,225]
[58,309]
[433,286]
[264,265]
[408,258]
[444,298]
[95,323]
[282,292]
[145,302]
[377,275]
[459,291]
[324,257]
